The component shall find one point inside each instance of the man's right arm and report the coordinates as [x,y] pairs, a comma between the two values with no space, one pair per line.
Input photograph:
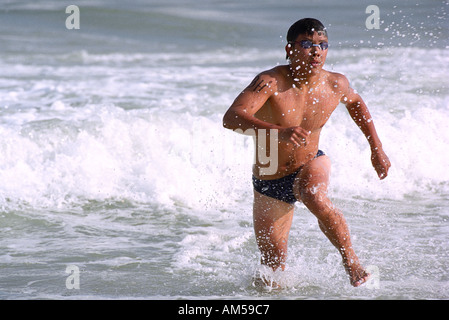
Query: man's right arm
[240,114]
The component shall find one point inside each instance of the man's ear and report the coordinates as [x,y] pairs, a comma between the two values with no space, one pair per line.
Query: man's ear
[288,49]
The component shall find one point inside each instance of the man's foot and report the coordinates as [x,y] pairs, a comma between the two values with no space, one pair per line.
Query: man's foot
[357,274]
[265,282]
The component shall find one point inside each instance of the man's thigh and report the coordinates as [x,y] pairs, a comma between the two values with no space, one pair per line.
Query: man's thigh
[313,178]
[271,215]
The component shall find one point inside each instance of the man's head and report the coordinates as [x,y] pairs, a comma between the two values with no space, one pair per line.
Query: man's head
[305,26]
[307,44]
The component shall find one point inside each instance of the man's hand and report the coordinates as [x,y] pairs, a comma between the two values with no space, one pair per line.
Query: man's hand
[296,135]
[380,162]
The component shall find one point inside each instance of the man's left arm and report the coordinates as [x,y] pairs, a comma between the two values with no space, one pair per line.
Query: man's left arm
[360,114]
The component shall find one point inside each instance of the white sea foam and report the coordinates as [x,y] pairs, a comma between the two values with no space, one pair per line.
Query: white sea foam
[167,143]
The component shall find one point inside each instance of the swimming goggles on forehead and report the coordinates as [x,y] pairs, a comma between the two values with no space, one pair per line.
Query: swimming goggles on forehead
[307,44]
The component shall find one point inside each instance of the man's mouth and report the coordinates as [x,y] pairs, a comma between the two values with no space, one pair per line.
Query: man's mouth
[315,63]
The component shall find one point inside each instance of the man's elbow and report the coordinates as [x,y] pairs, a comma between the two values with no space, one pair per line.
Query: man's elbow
[228,121]
[225,122]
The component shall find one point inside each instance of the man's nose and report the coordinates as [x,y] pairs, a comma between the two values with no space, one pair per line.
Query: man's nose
[316,51]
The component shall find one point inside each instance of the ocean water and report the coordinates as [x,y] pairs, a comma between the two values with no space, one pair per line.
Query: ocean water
[114,162]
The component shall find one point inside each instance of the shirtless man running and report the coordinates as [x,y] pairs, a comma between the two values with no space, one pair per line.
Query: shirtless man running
[293,102]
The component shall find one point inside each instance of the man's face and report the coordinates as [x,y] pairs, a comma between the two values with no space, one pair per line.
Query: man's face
[306,54]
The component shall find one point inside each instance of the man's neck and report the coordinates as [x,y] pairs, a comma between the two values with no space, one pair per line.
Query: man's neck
[305,79]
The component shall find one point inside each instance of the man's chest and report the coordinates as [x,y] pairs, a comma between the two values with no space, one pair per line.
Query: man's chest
[310,109]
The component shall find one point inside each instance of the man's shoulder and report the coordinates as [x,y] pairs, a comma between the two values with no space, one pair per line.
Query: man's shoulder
[269,78]
[276,73]
[337,80]
[337,77]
